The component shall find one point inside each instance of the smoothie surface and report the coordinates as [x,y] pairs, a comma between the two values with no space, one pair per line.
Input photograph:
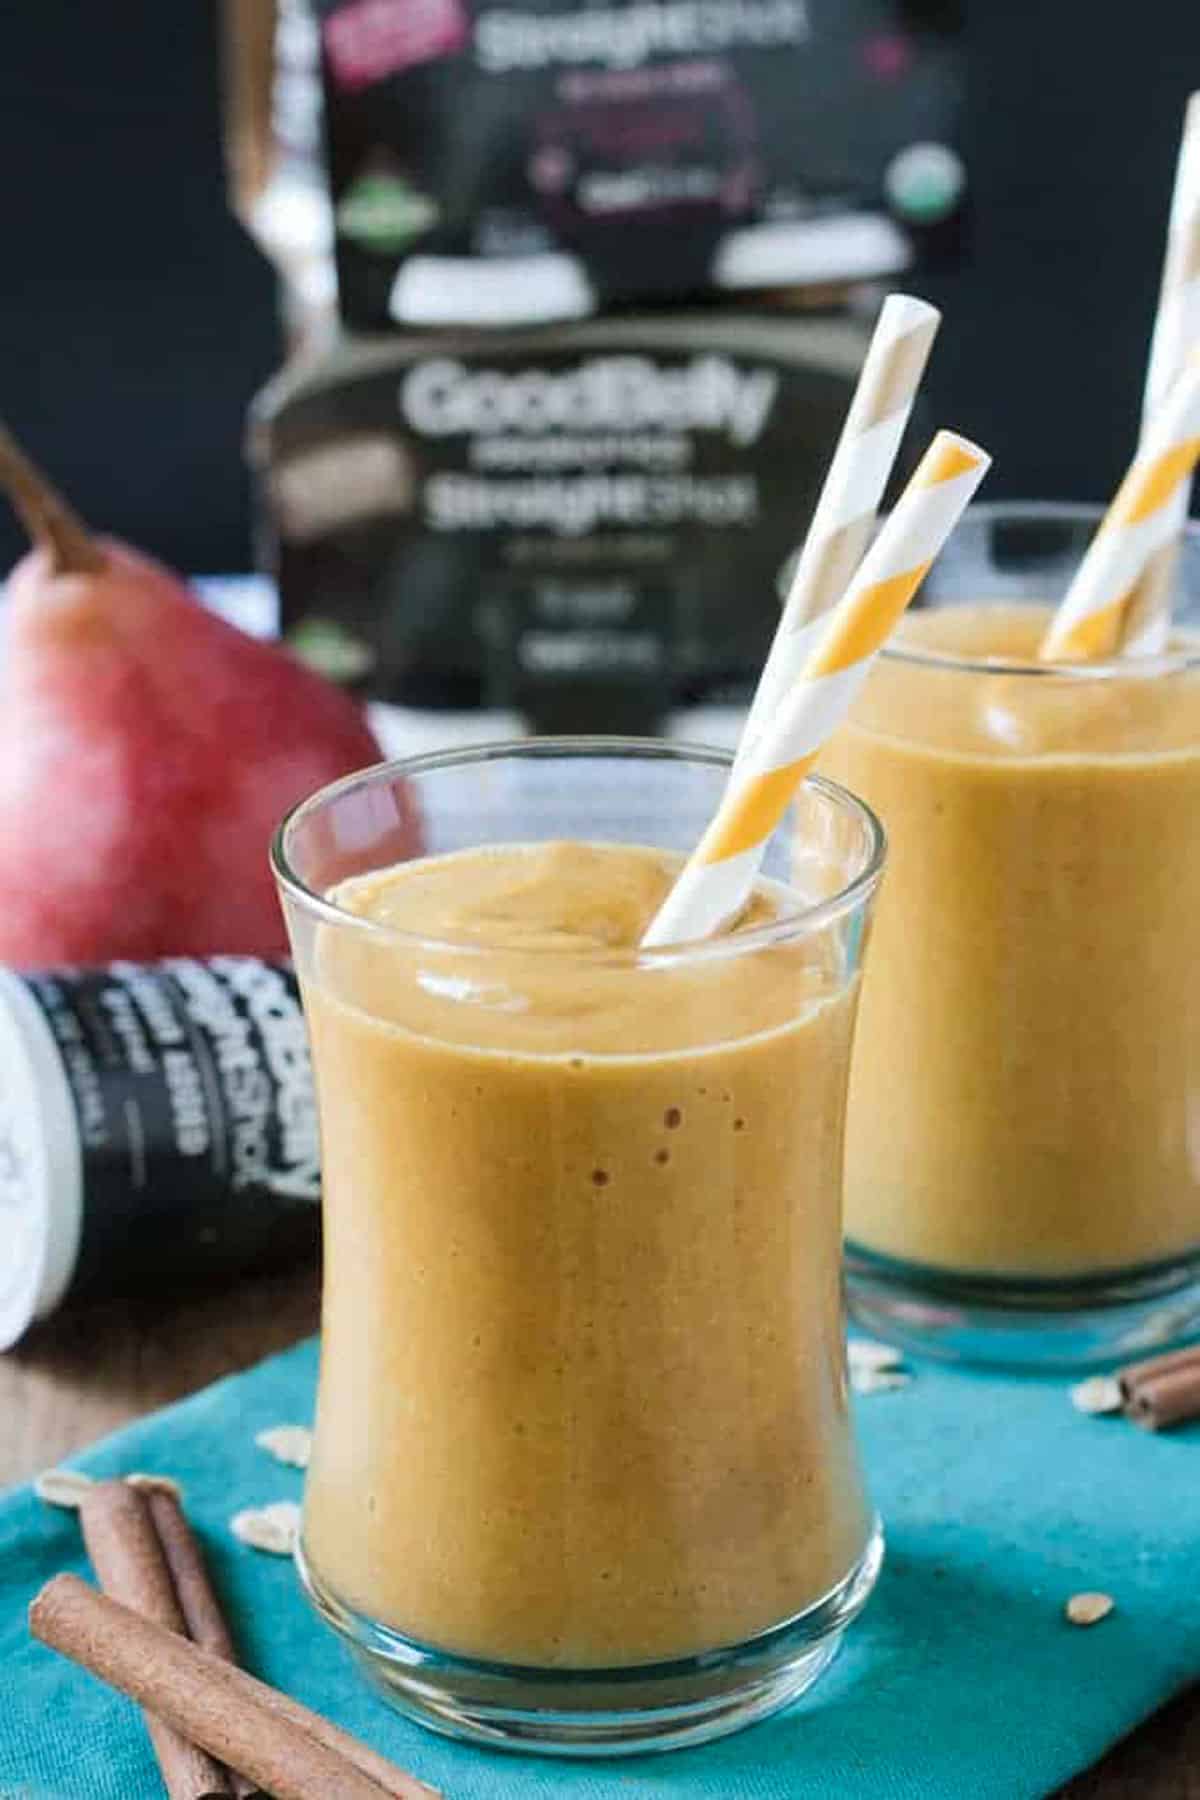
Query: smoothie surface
[543,958]
[1025,708]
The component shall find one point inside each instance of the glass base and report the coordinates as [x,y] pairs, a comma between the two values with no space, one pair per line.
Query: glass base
[602,1712]
[1031,1324]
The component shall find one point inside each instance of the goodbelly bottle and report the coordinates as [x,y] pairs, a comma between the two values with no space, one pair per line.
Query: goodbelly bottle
[157,1126]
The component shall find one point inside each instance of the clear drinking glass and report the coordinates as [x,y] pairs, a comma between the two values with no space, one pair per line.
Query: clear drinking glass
[1023,1152]
[583,1477]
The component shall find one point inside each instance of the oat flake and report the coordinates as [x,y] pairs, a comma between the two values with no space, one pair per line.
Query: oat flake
[272,1528]
[1098,1394]
[62,1487]
[291,1444]
[1089,1609]
[863,1353]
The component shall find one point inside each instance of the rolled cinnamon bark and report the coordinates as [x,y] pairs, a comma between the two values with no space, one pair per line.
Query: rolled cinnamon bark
[193,1609]
[207,1700]
[1133,1374]
[123,1543]
[202,1616]
[206,1626]
[1159,1401]
[385,1774]
[203,1619]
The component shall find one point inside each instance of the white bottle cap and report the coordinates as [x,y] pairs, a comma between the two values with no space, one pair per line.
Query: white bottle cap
[41,1165]
[478,290]
[798,252]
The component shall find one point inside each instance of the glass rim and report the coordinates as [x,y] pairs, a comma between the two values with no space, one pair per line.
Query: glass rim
[1065,512]
[851,896]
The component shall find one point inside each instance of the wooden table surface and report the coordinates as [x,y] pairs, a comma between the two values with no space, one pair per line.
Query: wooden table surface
[83,1376]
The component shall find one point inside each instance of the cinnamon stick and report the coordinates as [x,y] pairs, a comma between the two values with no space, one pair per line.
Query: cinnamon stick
[1133,1374]
[202,1615]
[207,1700]
[206,1626]
[394,1782]
[123,1543]
[1159,1401]
[203,1619]
[44,513]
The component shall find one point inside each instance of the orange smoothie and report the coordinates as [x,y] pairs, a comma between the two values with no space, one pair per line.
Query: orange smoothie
[582,1397]
[1025,1092]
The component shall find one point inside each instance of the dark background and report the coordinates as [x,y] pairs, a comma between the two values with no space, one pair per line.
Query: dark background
[136,319]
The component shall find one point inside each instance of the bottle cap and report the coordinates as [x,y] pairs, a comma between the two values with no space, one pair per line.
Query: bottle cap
[791,253]
[516,290]
[41,1165]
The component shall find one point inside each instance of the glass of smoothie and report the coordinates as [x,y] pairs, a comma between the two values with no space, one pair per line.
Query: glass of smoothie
[584,1477]
[1023,1153]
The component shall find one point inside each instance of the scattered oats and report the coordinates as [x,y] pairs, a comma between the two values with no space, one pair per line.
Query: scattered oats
[1098,1394]
[147,1483]
[291,1444]
[1089,1609]
[62,1487]
[272,1528]
[878,1381]
[862,1353]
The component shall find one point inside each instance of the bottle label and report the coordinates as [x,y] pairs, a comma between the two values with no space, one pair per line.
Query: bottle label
[193,1093]
[588,530]
[655,149]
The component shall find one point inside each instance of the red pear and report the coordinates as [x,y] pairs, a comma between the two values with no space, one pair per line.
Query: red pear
[148,749]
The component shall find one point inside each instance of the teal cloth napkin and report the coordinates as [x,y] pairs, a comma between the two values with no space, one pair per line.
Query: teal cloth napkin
[962,1679]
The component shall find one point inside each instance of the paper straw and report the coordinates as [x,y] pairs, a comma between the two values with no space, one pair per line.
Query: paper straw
[1090,617]
[1147,621]
[718,877]
[845,512]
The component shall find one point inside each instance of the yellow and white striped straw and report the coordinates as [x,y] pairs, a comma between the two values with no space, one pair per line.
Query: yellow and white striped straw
[1090,620]
[718,877]
[845,512]
[1147,621]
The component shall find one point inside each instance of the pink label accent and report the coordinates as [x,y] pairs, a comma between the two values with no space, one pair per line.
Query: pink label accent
[374,38]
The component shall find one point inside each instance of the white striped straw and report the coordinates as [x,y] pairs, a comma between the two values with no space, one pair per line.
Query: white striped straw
[1090,618]
[718,877]
[1147,622]
[845,512]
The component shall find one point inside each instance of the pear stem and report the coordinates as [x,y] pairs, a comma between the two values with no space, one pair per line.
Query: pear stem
[50,522]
